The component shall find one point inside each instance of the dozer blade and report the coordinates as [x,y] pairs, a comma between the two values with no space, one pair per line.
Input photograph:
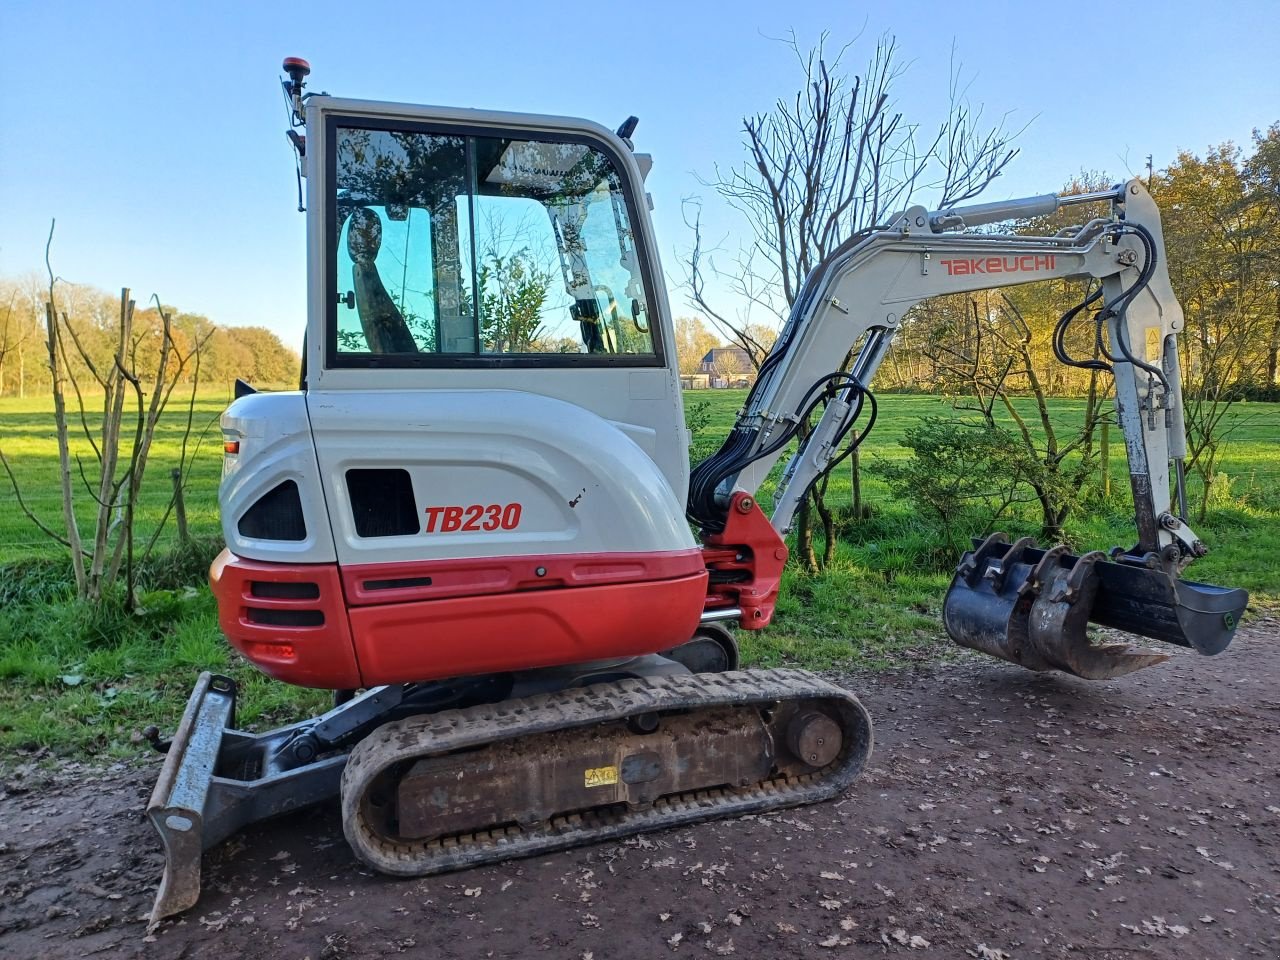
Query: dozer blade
[177,803]
[217,780]
[1032,607]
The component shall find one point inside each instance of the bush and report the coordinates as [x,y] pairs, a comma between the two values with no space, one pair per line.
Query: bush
[703,442]
[1259,392]
[186,565]
[964,474]
[36,581]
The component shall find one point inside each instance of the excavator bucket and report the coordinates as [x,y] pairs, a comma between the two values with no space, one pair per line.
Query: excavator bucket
[1032,607]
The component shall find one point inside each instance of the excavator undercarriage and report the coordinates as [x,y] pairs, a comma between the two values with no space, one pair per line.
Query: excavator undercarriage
[447,787]
[456,789]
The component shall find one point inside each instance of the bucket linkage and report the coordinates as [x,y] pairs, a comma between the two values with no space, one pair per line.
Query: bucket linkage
[1032,607]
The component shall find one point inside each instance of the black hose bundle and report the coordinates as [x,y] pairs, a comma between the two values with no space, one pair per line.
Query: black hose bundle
[1112,308]
[736,453]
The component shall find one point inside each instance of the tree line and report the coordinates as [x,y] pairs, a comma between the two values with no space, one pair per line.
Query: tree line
[1221,219]
[255,354]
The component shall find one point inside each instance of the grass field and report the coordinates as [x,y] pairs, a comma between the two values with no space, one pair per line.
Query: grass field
[880,602]
[82,680]
[28,439]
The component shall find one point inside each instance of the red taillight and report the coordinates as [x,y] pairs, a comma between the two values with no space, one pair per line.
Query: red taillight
[231,446]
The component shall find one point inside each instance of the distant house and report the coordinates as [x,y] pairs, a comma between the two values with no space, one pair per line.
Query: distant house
[728,367]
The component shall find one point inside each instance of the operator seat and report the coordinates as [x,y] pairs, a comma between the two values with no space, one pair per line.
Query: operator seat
[383,324]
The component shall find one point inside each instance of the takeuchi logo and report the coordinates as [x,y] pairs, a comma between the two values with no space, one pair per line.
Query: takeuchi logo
[1026,263]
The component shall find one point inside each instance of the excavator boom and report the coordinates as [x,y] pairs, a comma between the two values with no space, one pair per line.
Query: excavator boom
[1012,601]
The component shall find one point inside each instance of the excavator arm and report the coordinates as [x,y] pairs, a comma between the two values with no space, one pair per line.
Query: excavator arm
[1016,601]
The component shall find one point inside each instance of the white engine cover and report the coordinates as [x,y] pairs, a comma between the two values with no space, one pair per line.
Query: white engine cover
[275,442]
[582,486]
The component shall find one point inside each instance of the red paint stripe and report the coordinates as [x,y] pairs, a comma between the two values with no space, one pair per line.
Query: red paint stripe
[369,584]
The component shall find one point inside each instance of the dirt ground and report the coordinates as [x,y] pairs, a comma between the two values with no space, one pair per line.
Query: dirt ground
[1005,815]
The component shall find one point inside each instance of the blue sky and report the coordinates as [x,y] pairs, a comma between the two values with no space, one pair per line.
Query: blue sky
[154,131]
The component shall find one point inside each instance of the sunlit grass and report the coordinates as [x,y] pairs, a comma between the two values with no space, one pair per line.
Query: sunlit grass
[82,680]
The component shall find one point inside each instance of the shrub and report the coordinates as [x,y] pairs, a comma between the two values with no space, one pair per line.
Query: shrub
[964,474]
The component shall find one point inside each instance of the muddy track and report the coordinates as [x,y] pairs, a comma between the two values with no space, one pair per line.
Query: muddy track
[1004,815]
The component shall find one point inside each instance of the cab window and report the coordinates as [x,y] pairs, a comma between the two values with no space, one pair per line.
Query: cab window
[447,247]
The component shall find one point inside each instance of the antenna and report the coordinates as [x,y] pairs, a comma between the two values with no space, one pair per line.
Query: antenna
[297,69]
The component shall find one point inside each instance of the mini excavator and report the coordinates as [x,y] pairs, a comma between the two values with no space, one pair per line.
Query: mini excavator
[476,522]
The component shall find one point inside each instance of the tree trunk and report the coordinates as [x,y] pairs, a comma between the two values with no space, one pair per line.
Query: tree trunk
[64,452]
[113,407]
[804,538]
[1273,348]
[1105,457]
[1052,516]
[855,477]
[828,523]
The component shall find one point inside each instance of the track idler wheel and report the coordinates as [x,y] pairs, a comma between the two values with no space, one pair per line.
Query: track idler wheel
[712,649]
[1032,607]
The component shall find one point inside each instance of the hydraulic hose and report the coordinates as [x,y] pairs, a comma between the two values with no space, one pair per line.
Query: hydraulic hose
[1117,306]
[1060,333]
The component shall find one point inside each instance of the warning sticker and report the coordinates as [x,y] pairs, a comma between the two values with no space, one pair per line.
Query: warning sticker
[1153,344]
[600,776]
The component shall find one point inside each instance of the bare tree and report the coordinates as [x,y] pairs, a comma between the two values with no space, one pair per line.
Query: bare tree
[120,441]
[19,331]
[12,335]
[834,159]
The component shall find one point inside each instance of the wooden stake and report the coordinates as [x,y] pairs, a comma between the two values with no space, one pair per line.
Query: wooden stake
[179,507]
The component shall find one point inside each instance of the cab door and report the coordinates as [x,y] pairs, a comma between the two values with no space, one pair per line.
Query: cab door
[465,251]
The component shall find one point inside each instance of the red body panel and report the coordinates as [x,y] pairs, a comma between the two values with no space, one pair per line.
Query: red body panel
[401,622]
[302,652]
[750,548]
[378,583]
[434,639]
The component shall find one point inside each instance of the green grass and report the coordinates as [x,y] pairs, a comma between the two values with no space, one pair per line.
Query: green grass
[29,442]
[880,603]
[81,680]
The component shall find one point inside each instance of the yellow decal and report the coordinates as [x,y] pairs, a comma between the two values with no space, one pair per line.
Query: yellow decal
[600,776]
[1153,344]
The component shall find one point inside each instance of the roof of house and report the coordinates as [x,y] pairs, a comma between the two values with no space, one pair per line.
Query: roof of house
[728,360]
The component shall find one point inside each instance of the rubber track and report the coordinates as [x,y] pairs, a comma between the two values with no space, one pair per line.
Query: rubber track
[451,730]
